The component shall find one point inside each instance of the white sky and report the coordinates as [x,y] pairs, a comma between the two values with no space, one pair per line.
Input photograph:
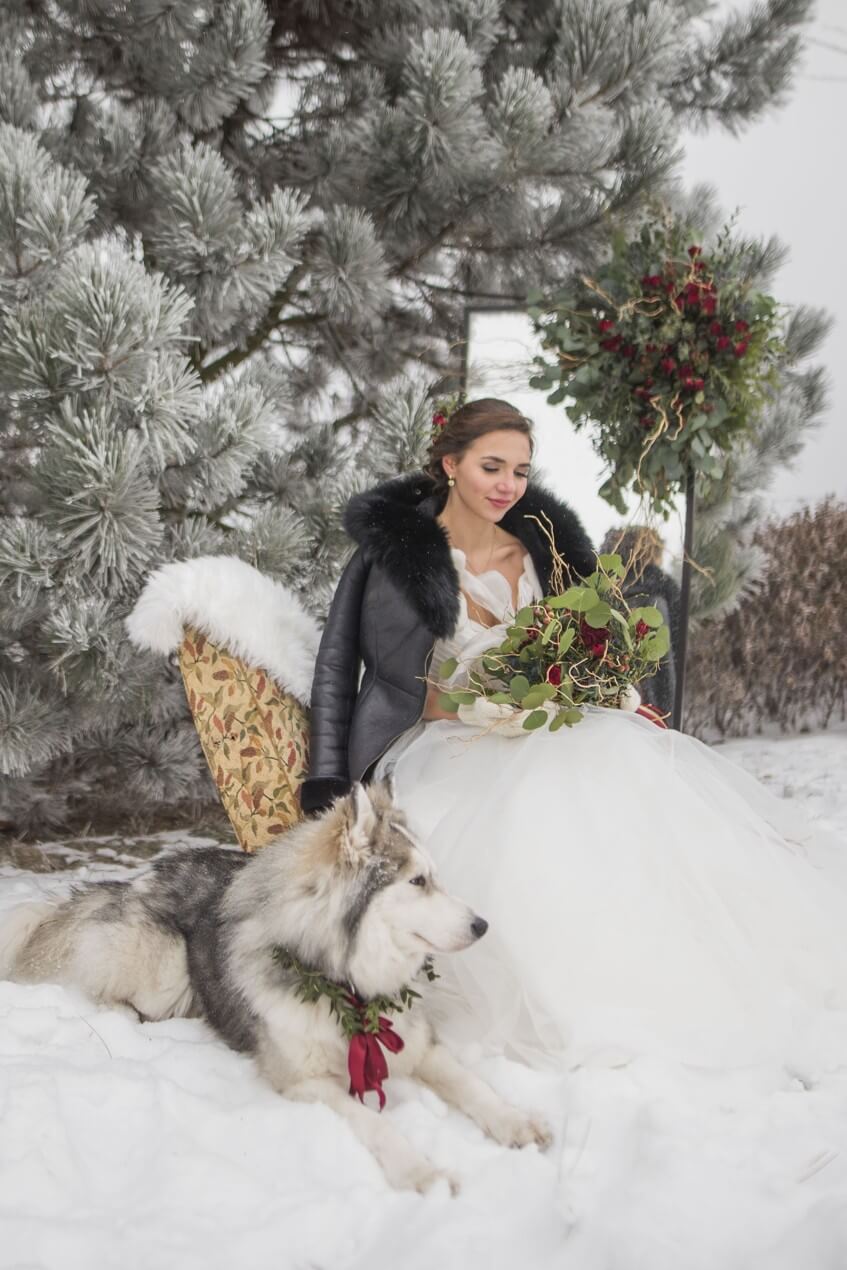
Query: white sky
[787,177]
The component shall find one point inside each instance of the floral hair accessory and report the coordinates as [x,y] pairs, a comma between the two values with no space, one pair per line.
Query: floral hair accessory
[444,408]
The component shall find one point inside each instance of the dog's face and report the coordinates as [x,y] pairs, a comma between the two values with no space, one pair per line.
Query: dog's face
[398,914]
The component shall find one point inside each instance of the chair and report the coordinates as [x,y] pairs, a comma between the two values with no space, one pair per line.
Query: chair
[246,649]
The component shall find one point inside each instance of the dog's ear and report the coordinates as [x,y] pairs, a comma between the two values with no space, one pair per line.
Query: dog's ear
[381,793]
[390,788]
[359,825]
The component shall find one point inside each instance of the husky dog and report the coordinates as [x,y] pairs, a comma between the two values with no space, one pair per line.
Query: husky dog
[349,894]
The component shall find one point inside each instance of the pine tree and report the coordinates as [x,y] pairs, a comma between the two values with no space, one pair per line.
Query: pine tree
[235,243]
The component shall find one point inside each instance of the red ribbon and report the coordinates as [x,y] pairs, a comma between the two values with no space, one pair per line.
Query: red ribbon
[366,1062]
[653,714]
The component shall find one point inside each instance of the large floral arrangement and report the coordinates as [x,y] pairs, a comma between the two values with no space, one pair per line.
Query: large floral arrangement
[668,356]
[580,646]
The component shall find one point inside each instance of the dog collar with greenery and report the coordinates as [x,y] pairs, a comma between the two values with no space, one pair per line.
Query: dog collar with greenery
[363,1022]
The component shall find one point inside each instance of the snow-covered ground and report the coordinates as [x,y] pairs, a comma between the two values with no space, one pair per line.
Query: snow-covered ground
[127,1145]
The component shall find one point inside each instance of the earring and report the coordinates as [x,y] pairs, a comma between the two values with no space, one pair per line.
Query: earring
[450,480]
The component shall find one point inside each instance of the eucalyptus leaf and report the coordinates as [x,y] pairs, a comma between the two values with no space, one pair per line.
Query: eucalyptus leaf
[566,719]
[655,646]
[445,670]
[446,702]
[537,694]
[566,639]
[649,615]
[536,719]
[578,598]
[599,615]
[612,563]
[519,687]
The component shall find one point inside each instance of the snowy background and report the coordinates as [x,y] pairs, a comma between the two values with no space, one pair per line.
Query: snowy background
[150,1146]
[145,1147]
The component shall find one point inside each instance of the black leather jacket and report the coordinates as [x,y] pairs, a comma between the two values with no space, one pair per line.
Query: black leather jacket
[399,594]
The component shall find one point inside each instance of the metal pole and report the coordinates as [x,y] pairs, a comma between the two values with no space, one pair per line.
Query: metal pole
[466,347]
[680,652]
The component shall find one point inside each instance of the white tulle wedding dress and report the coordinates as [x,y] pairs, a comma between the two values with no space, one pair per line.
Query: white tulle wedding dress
[644,894]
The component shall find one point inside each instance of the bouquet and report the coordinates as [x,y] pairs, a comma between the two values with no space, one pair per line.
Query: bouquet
[580,646]
[668,357]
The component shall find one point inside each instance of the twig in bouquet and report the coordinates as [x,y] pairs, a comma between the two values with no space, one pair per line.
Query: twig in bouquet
[560,565]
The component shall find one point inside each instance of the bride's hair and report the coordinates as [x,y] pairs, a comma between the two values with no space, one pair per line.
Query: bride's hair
[472,420]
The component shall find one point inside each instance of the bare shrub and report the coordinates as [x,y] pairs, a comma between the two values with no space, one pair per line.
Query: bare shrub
[779,662]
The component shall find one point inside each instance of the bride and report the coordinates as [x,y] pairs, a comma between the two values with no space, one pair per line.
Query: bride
[643,894]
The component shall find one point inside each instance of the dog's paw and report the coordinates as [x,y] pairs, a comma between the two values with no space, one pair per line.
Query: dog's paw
[423,1177]
[514,1129]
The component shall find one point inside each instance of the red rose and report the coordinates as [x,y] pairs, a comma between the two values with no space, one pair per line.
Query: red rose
[740,349]
[628,350]
[715,328]
[605,324]
[694,251]
[686,371]
[741,327]
[700,266]
[668,365]
[439,420]
[554,675]
[612,344]
[722,343]
[699,384]
[594,638]
[708,304]
[651,281]
[641,629]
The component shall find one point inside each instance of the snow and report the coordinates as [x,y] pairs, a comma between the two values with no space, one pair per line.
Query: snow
[153,1145]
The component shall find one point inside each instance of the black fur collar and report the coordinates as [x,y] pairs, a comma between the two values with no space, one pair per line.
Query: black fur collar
[395,525]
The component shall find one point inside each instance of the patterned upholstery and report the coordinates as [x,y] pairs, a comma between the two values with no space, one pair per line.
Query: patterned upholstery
[255,738]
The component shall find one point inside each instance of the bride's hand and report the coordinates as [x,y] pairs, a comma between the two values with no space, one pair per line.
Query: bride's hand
[432,710]
[503,719]
[630,698]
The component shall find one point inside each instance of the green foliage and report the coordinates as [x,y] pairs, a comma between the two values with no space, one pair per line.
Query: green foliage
[669,357]
[354,1017]
[567,651]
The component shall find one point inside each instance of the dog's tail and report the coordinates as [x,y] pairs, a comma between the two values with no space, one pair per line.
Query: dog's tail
[16,928]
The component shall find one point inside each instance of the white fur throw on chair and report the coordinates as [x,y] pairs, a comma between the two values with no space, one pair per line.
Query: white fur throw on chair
[234,605]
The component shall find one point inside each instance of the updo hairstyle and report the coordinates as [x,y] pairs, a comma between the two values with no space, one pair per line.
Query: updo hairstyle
[472,420]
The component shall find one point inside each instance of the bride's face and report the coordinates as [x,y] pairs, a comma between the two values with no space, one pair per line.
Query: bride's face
[492,473]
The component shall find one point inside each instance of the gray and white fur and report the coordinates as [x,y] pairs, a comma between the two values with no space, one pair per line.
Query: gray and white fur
[350,893]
